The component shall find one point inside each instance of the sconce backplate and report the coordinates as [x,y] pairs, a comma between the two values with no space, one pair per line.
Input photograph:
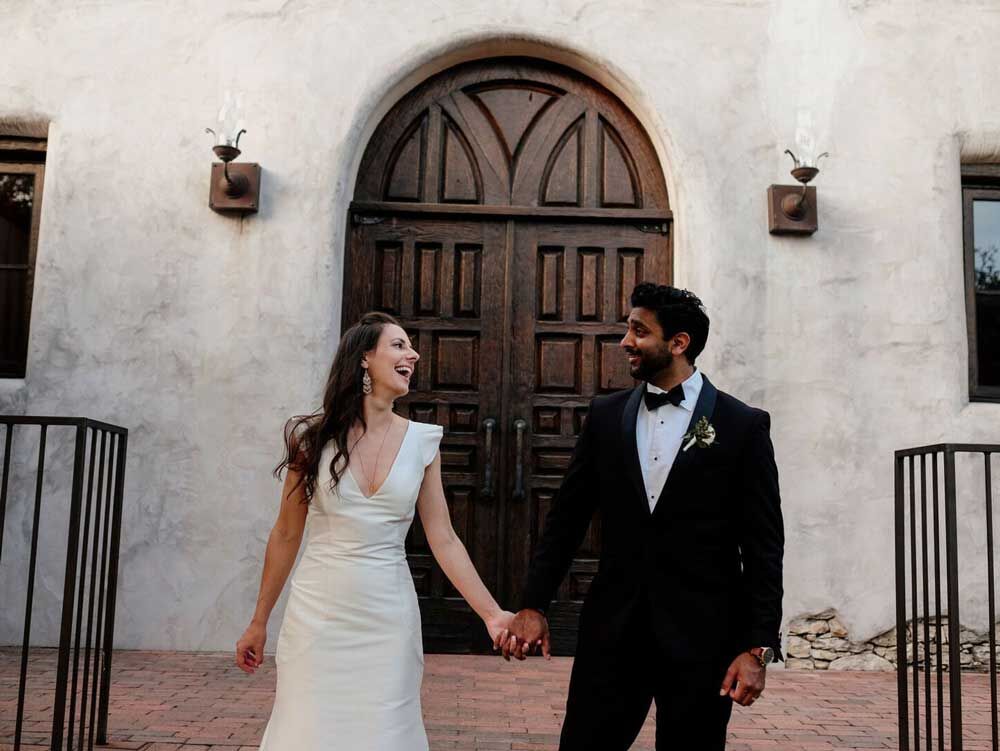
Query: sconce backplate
[781,223]
[249,202]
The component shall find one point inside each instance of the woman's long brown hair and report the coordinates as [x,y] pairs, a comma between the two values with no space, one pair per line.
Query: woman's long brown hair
[307,435]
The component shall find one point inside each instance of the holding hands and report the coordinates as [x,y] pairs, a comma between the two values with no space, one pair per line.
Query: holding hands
[526,633]
[497,625]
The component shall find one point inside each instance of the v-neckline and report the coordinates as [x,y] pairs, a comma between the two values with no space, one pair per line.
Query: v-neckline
[388,474]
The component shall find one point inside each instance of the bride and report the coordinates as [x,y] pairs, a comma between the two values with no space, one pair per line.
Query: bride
[349,655]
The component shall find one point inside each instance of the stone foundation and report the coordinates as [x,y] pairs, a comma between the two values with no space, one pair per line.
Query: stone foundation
[821,642]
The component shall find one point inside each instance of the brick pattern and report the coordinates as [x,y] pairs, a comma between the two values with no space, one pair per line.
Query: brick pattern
[182,701]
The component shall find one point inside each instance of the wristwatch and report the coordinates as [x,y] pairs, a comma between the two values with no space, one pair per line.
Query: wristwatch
[764,655]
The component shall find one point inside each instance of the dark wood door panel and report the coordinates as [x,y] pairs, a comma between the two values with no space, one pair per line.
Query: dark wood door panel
[450,282]
[491,216]
[571,286]
[444,281]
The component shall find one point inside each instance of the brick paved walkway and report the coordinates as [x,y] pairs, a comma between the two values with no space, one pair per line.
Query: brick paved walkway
[182,701]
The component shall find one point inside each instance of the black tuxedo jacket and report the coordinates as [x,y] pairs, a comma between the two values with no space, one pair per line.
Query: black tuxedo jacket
[705,566]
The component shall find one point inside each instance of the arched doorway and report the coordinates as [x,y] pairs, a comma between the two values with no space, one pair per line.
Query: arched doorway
[504,210]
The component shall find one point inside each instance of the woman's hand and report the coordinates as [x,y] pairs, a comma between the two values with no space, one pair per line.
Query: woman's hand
[250,648]
[498,626]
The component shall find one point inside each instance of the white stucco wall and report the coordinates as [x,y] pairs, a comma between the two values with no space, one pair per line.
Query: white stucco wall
[202,333]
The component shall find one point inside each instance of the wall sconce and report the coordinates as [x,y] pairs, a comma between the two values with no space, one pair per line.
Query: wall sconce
[234,188]
[792,210]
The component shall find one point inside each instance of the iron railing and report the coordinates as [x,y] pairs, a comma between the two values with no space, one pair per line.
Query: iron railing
[95,503]
[912,535]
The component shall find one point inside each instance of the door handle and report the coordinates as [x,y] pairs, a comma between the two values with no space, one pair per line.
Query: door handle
[520,426]
[489,425]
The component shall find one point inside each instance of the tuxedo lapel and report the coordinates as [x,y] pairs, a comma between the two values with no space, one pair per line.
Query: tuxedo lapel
[704,407]
[632,467]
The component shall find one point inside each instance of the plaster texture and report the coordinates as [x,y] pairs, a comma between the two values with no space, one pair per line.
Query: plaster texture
[202,333]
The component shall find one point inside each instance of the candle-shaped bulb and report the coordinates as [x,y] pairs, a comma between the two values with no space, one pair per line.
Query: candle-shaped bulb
[230,119]
[805,141]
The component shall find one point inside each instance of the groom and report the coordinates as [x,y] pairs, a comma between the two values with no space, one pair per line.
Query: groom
[686,604]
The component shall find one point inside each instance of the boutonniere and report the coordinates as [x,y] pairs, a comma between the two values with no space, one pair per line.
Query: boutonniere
[702,435]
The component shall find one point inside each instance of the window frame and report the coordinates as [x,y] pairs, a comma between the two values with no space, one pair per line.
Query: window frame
[979,182]
[14,166]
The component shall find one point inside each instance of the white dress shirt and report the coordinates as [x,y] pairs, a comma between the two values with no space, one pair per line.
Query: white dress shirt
[658,435]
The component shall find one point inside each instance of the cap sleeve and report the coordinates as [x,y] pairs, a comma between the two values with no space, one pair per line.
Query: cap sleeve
[431,439]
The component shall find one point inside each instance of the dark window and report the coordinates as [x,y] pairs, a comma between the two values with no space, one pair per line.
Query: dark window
[22,169]
[981,211]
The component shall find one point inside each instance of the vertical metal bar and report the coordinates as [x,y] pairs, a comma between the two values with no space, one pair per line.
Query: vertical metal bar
[954,618]
[69,584]
[101,587]
[3,483]
[900,529]
[991,599]
[79,599]
[94,584]
[915,630]
[927,600]
[937,606]
[33,556]
[112,585]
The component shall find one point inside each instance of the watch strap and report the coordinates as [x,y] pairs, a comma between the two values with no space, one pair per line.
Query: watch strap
[759,653]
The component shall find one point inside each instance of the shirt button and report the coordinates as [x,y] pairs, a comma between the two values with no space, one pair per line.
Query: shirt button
[656,458]
[661,422]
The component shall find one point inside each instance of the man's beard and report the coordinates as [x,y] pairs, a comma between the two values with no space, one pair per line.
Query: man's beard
[650,364]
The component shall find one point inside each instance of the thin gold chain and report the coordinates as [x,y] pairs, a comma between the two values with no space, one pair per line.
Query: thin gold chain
[371,478]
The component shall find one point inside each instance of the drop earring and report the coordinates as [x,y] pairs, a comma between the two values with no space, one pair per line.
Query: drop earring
[366,383]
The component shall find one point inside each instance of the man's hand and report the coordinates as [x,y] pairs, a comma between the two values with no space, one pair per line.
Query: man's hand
[528,631]
[744,681]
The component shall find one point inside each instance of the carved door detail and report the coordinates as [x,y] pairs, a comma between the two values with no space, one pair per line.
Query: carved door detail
[504,210]
[572,284]
[443,281]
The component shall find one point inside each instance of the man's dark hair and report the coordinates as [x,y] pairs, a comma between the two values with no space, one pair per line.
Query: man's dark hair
[677,310]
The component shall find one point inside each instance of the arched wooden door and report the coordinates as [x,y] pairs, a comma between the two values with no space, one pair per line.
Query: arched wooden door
[504,210]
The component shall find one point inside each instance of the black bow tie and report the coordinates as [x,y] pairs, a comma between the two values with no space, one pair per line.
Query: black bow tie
[654,401]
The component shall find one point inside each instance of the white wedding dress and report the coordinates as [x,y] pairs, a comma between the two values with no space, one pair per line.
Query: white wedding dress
[350,656]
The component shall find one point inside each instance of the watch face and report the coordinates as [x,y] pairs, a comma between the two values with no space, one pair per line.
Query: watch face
[767,656]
